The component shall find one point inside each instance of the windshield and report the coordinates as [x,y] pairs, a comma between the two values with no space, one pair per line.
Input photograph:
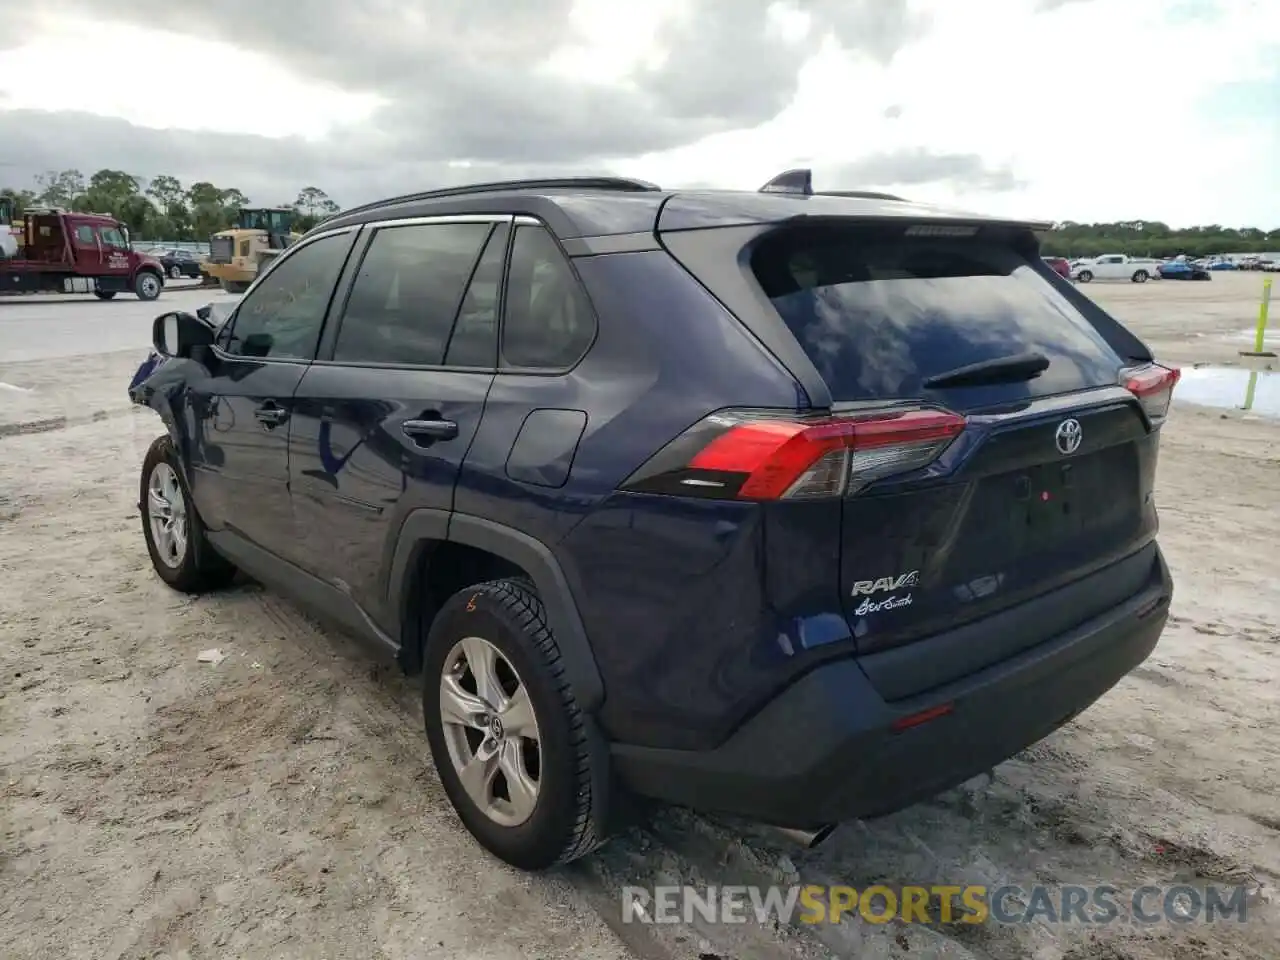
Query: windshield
[269,221]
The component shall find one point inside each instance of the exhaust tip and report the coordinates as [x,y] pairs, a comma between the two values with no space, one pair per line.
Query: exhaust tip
[808,839]
[822,834]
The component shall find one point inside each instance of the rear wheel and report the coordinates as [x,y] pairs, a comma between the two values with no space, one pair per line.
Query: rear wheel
[176,272]
[147,285]
[1140,276]
[1084,276]
[523,766]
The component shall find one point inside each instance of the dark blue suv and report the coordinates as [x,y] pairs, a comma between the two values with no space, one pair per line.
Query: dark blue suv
[796,506]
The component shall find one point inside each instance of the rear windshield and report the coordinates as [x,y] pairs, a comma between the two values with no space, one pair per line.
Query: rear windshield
[878,313]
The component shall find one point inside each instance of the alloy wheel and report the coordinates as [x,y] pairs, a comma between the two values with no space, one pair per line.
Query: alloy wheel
[491,731]
[167,513]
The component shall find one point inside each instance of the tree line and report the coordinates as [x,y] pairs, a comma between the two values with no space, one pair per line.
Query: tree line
[1154,239]
[161,208]
[164,209]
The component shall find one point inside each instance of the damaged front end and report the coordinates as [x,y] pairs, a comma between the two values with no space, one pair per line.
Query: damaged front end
[178,340]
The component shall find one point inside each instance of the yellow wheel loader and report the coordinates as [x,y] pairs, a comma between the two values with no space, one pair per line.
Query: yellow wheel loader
[236,255]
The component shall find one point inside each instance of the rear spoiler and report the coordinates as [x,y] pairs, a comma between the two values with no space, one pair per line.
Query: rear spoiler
[790,197]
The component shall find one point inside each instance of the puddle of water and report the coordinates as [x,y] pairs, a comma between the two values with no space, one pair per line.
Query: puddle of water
[1224,388]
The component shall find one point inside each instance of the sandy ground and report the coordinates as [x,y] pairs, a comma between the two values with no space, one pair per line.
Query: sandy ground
[282,804]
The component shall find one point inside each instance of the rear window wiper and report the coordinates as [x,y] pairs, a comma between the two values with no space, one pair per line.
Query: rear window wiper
[1019,366]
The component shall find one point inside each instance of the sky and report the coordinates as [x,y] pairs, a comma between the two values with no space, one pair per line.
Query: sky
[1085,110]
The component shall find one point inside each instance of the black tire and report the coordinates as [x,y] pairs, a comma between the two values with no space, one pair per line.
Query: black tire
[104,294]
[201,568]
[1084,276]
[176,272]
[147,285]
[1140,276]
[570,813]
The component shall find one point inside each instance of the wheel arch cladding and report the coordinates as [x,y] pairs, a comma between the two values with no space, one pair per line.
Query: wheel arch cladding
[522,551]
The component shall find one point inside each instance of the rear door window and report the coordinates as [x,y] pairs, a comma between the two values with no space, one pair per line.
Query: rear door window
[879,313]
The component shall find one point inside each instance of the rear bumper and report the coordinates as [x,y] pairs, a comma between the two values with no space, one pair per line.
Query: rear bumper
[825,750]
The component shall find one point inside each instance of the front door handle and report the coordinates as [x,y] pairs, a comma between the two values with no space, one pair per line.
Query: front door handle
[429,429]
[270,415]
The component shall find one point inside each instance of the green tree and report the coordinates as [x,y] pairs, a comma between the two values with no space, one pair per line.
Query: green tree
[1154,239]
[213,208]
[109,191]
[315,203]
[166,192]
[60,188]
[140,215]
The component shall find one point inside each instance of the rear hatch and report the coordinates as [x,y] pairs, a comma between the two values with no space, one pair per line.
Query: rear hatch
[995,444]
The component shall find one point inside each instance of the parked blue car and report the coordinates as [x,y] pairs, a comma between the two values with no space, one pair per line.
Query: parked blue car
[795,506]
[1182,270]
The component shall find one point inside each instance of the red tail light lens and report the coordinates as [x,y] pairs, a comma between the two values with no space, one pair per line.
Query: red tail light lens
[1153,385]
[758,455]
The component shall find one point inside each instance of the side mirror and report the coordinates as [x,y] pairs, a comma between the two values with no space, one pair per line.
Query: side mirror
[178,334]
[257,345]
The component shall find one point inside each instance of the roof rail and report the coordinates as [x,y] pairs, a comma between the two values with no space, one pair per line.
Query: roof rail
[620,184]
[800,183]
[863,194]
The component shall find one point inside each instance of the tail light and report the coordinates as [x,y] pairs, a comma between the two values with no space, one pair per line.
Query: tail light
[760,455]
[1153,385]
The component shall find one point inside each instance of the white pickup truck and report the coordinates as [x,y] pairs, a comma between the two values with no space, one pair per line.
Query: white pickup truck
[1115,266]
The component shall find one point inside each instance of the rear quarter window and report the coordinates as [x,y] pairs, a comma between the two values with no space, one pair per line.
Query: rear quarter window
[879,313]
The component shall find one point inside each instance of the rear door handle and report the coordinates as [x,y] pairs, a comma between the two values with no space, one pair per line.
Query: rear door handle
[271,415]
[429,429]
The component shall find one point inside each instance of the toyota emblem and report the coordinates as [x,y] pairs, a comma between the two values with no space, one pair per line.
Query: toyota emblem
[1068,437]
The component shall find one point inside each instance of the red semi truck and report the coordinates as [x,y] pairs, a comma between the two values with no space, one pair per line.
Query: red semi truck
[55,251]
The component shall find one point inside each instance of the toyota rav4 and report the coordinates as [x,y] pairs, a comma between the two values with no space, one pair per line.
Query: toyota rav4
[790,505]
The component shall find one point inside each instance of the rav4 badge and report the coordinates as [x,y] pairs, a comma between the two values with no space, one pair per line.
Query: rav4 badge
[866,588]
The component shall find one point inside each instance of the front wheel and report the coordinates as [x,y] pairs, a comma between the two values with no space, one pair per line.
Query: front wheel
[525,769]
[176,272]
[1140,276]
[1084,276]
[147,285]
[174,534]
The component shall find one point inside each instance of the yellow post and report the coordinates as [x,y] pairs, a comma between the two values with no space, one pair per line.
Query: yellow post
[1259,337]
[1259,340]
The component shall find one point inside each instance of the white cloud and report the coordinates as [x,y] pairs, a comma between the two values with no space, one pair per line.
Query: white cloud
[1084,110]
[177,82]
[1095,106]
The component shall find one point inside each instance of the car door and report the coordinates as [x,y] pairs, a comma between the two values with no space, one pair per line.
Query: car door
[384,417]
[114,251]
[240,412]
[1111,268]
[88,248]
